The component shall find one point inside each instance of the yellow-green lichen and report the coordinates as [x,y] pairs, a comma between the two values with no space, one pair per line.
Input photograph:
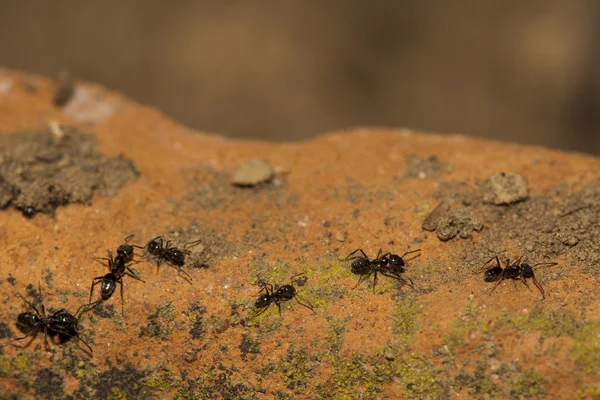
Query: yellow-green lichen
[352,379]
[22,363]
[586,347]
[296,369]
[417,376]
[528,386]
[549,322]
[406,318]
[334,339]
[467,322]
[591,391]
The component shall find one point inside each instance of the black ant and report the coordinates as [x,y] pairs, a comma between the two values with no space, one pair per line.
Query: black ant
[61,323]
[118,269]
[516,271]
[276,296]
[388,264]
[159,251]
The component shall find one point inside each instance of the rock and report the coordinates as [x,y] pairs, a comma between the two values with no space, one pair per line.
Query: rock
[179,339]
[252,173]
[430,223]
[503,188]
[461,222]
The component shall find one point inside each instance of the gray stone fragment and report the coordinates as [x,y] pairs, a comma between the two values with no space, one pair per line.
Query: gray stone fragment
[252,173]
[503,188]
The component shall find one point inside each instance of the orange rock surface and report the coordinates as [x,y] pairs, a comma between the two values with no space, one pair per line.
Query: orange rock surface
[363,188]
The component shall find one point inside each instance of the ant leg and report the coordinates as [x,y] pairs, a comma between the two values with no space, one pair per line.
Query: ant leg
[83,341]
[30,333]
[488,261]
[549,264]
[500,279]
[354,252]
[73,333]
[279,307]
[379,253]
[94,283]
[411,284]
[295,276]
[122,298]
[258,312]
[46,338]
[404,281]
[409,252]
[540,288]
[128,238]
[133,275]
[374,281]
[89,306]
[29,304]
[307,305]
[360,280]
[188,279]
[189,245]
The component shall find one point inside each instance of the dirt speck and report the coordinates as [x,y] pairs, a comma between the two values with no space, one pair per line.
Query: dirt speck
[48,168]
[502,188]
[422,168]
[461,222]
[252,173]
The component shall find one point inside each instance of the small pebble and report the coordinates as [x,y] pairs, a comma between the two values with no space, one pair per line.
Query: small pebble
[252,173]
[340,237]
[503,188]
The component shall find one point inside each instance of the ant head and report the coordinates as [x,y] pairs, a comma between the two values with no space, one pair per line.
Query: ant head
[27,320]
[125,251]
[526,271]
[396,261]
[155,245]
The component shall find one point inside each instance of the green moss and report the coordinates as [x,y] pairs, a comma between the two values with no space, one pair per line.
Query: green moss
[586,347]
[528,386]
[406,318]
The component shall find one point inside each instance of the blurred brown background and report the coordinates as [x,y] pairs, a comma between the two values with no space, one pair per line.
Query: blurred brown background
[525,71]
